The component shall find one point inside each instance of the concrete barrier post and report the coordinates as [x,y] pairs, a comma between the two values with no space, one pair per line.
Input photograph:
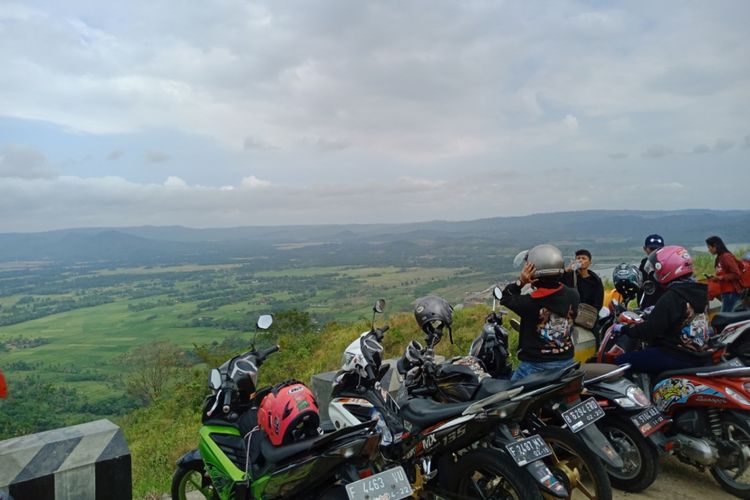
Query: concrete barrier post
[81,462]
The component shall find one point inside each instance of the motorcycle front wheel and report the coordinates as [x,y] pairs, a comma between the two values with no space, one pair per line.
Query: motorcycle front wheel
[573,463]
[191,482]
[736,479]
[487,474]
[640,457]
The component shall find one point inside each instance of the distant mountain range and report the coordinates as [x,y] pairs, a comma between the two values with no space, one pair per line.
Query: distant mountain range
[424,243]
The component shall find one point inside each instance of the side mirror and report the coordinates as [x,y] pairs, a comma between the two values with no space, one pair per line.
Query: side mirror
[520,258]
[515,324]
[214,379]
[649,287]
[497,293]
[379,306]
[264,322]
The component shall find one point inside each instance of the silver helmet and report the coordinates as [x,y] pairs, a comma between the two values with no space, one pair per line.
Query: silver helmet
[548,261]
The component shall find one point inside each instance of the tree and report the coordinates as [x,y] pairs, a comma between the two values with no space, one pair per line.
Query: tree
[152,368]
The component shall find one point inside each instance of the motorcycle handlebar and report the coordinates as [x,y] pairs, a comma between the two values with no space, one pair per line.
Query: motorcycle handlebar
[226,406]
[370,372]
[380,333]
[267,352]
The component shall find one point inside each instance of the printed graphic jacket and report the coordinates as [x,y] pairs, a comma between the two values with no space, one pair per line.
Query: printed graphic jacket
[664,326]
[547,316]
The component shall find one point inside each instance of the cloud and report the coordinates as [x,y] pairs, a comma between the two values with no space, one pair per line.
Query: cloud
[617,156]
[571,123]
[701,149]
[722,145]
[174,182]
[746,142]
[657,151]
[252,144]
[253,182]
[24,162]
[115,155]
[329,144]
[156,157]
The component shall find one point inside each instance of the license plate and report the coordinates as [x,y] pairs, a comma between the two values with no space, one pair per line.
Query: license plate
[528,450]
[648,421]
[388,485]
[582,415]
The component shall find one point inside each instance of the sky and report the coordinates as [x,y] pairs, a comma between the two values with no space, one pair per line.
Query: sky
[224,113]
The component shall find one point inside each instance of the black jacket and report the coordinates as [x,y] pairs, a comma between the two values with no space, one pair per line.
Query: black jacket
[590,289]
[663,327]
[547,316]
[644,300]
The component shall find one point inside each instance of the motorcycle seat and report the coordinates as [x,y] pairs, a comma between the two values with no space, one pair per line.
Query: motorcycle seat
[424,412]
[489,386]
[694,370]
[724,319]
[596,370]
[539,379]
[279,454]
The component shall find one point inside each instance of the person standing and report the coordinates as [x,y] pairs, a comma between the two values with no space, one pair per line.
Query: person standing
[653,243]
[546,314]
[727,273]
[587,282]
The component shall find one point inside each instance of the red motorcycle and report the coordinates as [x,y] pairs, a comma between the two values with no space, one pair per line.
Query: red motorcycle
[3,387]
[709,407]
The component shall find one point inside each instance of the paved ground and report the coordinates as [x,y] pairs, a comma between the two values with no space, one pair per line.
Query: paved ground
[678,481]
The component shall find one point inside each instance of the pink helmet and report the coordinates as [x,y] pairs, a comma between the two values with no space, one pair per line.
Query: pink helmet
[669,263]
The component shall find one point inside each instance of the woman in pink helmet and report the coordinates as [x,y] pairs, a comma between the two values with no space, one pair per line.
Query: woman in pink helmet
[677,329]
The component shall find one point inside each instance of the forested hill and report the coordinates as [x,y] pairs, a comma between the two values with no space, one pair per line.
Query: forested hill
[436,242]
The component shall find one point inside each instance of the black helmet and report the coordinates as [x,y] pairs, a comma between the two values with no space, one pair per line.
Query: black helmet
[433,313]
[627,279]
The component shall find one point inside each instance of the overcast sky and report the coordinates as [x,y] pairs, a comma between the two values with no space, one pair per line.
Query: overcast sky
[225,113]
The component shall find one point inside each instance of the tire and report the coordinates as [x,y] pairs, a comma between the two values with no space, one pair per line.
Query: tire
[736,430]
[485,473]
[571,459]
[189,480]
[640,456]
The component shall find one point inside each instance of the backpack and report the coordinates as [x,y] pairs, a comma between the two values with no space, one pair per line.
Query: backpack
[744,266]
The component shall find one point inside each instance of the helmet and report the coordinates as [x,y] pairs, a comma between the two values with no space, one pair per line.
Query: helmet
[627,279]
[433,313]
[289,413]
[653,241]
[547,260]
[669,263]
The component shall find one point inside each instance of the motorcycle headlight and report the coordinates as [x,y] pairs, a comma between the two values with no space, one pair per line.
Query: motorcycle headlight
[635,398]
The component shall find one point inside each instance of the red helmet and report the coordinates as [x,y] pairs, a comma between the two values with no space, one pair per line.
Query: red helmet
[289,413]
[669,263]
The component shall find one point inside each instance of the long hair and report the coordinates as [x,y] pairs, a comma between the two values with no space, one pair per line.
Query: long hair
[717,243]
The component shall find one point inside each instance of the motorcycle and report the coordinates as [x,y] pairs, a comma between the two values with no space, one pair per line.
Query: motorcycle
[235,458]
[443,447]
[630,422]
[709,407]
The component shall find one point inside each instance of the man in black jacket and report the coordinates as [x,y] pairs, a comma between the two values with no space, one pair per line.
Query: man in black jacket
[677,329]
[653,242]
[547,313]
[586,281]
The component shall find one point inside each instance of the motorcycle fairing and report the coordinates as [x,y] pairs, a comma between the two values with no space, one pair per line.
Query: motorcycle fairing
[674,393]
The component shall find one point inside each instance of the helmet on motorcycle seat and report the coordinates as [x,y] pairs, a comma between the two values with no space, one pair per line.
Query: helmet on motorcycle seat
[669,263]
[627,279]
[433,313]
[548,262]
[289,413]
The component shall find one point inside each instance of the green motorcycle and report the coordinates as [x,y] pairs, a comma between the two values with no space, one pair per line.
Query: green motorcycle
[236,460]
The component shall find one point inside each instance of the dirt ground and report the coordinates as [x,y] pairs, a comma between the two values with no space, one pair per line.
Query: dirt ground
[679,481]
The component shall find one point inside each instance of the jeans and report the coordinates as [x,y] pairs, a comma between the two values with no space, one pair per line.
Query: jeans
[728,301]
[653,360]
[526,368]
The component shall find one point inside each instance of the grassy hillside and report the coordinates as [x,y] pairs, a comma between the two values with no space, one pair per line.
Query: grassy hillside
[160,434]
